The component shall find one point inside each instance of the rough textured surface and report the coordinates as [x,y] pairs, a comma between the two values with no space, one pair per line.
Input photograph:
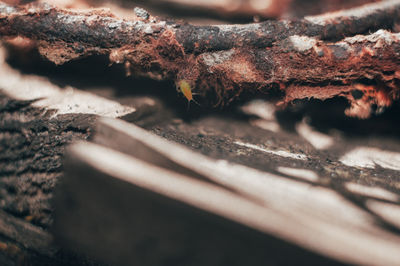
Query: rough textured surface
[34,144]
[220,62]
[240,142]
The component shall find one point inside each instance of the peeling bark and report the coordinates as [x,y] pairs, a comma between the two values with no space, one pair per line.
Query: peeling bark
[306,58]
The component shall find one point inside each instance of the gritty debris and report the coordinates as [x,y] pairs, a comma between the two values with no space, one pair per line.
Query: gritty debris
[141,13]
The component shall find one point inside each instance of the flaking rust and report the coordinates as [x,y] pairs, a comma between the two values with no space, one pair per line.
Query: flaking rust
[317,57]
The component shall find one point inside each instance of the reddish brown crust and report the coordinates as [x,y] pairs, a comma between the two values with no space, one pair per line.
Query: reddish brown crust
[220,62]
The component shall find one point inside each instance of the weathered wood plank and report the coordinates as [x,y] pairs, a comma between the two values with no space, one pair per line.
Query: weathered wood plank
[129,212]
[312,217]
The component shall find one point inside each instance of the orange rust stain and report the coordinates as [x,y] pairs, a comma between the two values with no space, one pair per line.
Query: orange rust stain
[377,94]
[383,99]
